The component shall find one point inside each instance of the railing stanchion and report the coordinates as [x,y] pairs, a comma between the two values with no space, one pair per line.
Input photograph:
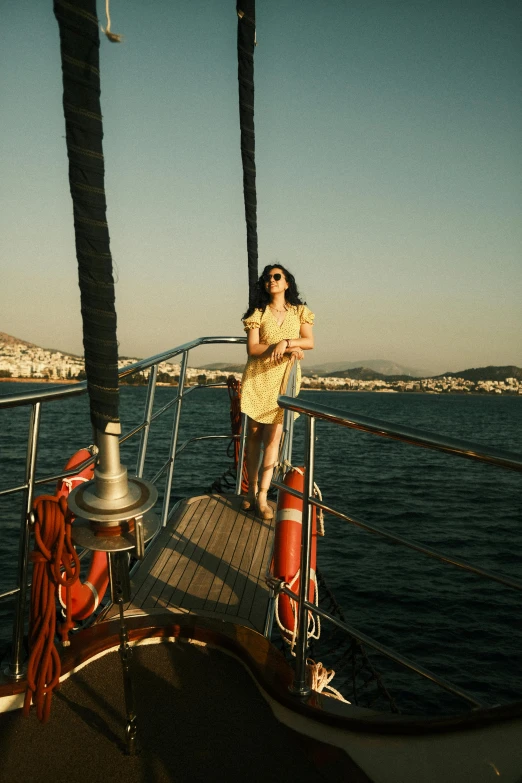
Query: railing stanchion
[15,669]
[151,390]
[300,686]
[241,457]
[291,416]
[174,439]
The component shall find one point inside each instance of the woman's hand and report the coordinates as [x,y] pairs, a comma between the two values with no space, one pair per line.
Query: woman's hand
[278,351]
[296,353]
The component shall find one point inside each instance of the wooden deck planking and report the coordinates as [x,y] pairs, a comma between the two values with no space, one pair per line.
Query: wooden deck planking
[212,603]
[180,539]
[187,544]
[258,567]
[205,573]
[180,583]
[257,615]
[249,531]
[210,559]
[243,567]
[159,554]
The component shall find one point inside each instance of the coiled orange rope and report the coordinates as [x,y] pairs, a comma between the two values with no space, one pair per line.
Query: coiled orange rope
[55,562]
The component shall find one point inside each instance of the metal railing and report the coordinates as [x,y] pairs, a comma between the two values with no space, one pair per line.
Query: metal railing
[34,399]
[406,435]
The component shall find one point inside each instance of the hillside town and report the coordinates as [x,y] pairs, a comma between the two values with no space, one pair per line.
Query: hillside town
[22,361]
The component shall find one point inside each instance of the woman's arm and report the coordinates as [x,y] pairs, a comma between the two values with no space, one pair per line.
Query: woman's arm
[254,347]
[305,341]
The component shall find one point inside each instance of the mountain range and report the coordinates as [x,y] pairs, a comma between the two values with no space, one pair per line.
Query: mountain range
[380,367]
[490,373]
[8,339]
[396,372]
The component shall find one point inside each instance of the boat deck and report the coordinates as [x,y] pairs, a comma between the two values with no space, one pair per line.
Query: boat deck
[200,717]
[211,560]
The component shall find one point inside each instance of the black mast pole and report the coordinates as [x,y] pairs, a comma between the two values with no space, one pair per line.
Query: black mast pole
[246,37]
[79,46]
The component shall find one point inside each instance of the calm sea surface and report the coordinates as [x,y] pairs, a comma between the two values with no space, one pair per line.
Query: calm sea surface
[464,628]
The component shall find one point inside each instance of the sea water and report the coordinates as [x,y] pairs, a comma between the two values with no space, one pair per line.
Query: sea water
[464,628]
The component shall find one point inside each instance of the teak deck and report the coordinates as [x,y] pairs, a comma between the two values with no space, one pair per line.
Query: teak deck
[211,559]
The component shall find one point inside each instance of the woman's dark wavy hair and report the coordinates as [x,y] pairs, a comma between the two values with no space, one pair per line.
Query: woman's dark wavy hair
[261,297]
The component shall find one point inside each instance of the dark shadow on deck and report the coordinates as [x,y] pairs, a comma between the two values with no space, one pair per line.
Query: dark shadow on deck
[210,560]
[200,718]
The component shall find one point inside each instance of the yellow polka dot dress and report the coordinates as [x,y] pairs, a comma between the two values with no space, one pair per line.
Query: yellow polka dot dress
[261,382]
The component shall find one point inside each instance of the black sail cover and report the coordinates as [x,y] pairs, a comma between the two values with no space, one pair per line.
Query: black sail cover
[246,36]
[79,45]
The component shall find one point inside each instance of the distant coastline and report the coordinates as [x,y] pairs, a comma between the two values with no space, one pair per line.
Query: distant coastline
[52,381]
[359,390]
[22,362]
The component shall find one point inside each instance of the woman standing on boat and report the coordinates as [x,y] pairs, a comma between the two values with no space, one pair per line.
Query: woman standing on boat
[279,330]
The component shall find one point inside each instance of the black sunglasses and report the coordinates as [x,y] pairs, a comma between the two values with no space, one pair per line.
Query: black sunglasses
[276,277]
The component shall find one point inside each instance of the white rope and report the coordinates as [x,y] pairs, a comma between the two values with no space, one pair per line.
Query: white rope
[114,37]
[320,515]
[320,678]
[69,481]
[314,622]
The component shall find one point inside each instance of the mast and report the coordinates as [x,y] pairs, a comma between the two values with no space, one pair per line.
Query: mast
[79,45]
[246,41]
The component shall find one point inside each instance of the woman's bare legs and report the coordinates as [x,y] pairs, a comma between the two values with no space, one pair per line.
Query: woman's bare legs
[271,437]
[253,453]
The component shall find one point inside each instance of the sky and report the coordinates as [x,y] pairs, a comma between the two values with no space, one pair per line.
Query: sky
[389,176]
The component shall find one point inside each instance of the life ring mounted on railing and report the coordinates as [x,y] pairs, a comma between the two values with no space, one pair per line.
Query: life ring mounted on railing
[85,596]
[287,559]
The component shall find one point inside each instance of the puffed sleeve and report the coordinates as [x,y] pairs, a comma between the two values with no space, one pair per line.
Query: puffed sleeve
[253,321]
[305,315]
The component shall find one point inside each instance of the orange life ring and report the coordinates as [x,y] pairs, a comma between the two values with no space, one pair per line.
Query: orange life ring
[287,550]
[85,596]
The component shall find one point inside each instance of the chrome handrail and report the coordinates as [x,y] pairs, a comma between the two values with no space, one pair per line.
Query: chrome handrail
[387,652]
[415,437]
[442,558]
[452,446]
[35,399]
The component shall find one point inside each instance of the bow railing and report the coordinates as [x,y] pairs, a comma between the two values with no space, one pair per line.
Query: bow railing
[26,489]
[407,435]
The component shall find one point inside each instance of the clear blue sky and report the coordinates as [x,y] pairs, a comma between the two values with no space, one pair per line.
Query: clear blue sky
[389,162]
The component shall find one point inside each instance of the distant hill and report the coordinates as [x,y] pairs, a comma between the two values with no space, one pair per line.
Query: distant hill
[223,366]
[380,366]
[490,373]
[8,339]
[358,374]
[367,374]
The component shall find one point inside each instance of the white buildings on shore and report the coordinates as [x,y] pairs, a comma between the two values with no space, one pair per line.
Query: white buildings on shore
[22,360]
[442,385]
